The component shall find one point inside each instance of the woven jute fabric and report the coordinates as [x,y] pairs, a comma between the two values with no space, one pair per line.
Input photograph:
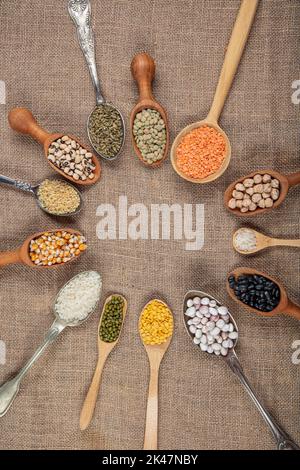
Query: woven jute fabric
[202,405]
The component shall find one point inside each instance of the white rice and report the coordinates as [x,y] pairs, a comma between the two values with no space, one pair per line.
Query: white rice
[245,239]
[79,297]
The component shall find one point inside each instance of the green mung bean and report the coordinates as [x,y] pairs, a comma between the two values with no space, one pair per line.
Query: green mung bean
[106,130]
[112,319]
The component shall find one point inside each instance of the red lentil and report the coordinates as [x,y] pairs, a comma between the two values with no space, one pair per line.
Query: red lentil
[201,152]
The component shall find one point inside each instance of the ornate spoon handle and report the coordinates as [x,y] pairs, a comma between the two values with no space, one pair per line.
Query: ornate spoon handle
[80,12]
[17,184]
[283,440]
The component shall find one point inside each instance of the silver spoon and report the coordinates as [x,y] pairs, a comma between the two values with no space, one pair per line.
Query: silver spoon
[10,389]
[34,191]
[283,440]
[80,12]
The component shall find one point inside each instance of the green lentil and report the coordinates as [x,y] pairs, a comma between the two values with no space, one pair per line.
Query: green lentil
[106,130]
[112,319]
[149,130]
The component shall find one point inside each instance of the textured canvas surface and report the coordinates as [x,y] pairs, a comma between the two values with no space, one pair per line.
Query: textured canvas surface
[202,405]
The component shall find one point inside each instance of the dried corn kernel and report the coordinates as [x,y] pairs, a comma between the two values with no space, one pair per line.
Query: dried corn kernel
[46,253]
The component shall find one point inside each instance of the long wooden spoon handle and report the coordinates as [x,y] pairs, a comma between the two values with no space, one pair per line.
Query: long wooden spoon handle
[151,428]
[143,71]
[9,257]
[283,242]
[293,310]
[89,404]
[233,56]
[23,121]
[294,178]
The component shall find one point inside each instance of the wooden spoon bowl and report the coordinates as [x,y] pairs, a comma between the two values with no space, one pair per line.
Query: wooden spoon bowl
[143,71]
[263,242]
[23,121]
[21,254]
[210,123]
[286,182]
[104,350]
[155,354]
[285,306]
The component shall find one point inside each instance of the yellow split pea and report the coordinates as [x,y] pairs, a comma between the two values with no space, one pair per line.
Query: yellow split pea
[156,323]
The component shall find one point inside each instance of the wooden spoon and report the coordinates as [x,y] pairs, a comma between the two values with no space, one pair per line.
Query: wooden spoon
[285,306]
[233,56]
[263,241]
[155,354]
[21,254]
[104,350]
[143,71]
[23,121]
[286,182]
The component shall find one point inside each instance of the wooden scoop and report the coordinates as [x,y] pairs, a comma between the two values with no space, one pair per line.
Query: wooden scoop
[155,354]
[21,255]
[286,182]
[104,350]
[285,306]
[143,71]
[263,241]
[233,56]
[23,121]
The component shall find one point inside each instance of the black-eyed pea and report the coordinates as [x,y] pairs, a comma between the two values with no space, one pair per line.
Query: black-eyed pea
[259,188]
[232,203]
[275,194]
[257,179]
[262,204]
[256,198]
[248,182]
[267,187]
[240,187]
[269,202]
[250,191]
[266,178]
[275,183]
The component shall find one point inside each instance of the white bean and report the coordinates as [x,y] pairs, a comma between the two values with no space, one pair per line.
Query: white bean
[196,340]
[196,300]
[203,309]
[190,321]
[223,310]
[215,331]
[224,351]
[220,323]
[230,343]
[210,349]
[205,301]
[212,303]
[210,325]
[198,334]
[225,343]
[193,329]
[189,303]
[231,327]
[204,339]
[203,347]
[199,315]
[233,335]
[196,320]
[191,312]
[216,347]
[213,311]
[225,327]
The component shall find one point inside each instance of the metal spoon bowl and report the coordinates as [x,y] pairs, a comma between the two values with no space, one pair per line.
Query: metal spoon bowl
[283,440]
[10,389]
[34,189]
[80,13]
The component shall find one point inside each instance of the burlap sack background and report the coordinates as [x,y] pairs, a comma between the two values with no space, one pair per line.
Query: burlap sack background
[202,406]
